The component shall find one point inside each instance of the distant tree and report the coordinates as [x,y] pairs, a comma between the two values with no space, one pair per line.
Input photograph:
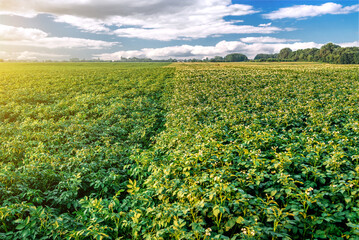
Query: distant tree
[326,52]
[236,57]
[356,57]
[330,53]
[74,60]
[195,60]
[310,58]
[284,53]
[265,56]
[349,56]
[346,58]
[314,52]
[217,59]
[272,60]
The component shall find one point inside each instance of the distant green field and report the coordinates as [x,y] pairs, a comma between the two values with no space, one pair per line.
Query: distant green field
[180,151]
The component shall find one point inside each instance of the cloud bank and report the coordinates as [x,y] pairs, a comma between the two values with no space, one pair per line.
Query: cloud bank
[146,19]
[221,49]
[266,40]
[30,56]
[304,11]
[161,20]
[19,36]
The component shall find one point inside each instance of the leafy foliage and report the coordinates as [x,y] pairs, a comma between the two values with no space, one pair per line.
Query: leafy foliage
[329,53]
[199,151]
[236,57]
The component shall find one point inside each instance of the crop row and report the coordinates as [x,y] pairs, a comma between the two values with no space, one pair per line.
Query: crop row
[209,151]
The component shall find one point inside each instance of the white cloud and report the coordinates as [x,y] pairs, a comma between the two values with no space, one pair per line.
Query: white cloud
[265,24]
[192,32]
[266,40]
[63,42]
[3,55]
[91,25]
[238,21]
[350,44]
[10,33]
[303,11]
[30,56]
[146,19]
[220,49]
[92,8]
[18,36]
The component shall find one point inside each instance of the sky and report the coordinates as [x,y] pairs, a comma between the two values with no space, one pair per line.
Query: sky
[161,29]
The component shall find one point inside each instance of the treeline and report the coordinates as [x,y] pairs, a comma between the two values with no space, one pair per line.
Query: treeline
[329,53]
[123,59]
[233,57]
[135,59]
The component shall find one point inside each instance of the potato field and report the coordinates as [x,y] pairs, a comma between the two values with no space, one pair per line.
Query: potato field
[179,151]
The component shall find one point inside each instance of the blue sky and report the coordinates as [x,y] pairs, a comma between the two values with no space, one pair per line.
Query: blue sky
[161,29]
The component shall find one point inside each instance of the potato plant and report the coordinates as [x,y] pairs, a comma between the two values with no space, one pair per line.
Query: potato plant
[186,151]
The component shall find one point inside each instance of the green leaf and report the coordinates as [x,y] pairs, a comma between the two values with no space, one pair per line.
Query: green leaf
[240,220]
[320,234]
[25,233]
[21,226]
[216,211]
[230,224]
